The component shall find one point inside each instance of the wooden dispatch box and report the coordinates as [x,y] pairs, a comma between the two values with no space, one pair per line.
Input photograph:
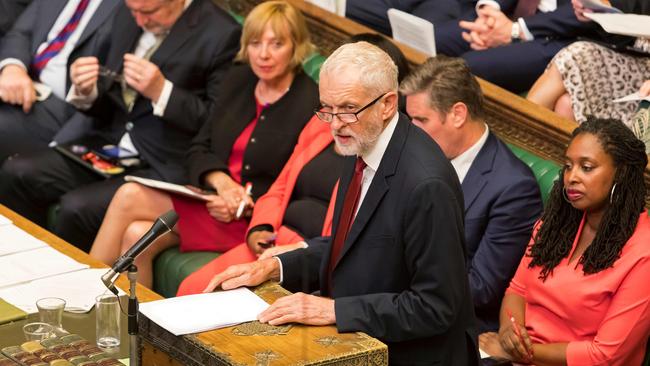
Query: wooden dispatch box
[260,344]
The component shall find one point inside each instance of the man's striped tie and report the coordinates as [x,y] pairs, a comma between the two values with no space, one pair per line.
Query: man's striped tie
[56,45]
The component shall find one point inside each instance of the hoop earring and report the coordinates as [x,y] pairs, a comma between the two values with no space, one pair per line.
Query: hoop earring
[611,194]
[565,196]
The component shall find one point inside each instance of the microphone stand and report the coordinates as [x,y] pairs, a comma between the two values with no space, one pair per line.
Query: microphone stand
[134,344]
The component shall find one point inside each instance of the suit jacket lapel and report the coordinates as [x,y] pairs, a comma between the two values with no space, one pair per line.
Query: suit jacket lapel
[476,179]
[179,34]
[104,10]
[46,18]
[380,184]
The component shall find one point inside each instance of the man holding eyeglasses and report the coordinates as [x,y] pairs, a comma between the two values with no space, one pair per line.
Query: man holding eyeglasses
[394,267]
[159,85]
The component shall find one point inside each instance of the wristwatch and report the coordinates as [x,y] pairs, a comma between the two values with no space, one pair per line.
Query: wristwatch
[515,32]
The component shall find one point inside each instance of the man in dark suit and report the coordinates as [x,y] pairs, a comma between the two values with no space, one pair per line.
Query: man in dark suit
[502,198]
[395,266]
[10,10]
[74,28]
[171,55]
[372,13]
[510,42]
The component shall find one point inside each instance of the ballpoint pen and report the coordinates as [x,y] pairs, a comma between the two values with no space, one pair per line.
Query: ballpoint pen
[242,204]
[515,326]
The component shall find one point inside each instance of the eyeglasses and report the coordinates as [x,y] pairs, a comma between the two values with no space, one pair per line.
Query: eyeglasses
[345,117]
[106,72]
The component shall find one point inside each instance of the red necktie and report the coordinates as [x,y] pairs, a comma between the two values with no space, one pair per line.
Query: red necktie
[55,46]
[350,203]
[525,8]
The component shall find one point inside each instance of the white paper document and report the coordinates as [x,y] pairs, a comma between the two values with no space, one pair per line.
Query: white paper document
[333,6]
[632,98]
[35,264]
[483,354]
[203,312]
[412,31]
[599,7]
[14,240]
[79,290]
[4,220]
[169,187]
[633,25]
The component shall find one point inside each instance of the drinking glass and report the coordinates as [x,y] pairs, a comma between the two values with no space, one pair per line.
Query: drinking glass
[107,314]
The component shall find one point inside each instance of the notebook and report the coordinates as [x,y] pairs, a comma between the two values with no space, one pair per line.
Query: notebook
[10,313]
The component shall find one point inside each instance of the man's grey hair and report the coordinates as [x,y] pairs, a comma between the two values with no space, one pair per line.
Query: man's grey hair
[376,70]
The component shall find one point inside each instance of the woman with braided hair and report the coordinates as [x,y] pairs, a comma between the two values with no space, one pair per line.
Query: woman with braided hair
[581,294]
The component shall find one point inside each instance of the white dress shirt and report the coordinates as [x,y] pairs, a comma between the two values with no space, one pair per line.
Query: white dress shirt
[373,157]
[464,161]
[55,72]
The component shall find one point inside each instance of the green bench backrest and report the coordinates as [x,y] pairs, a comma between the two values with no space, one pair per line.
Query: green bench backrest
[546,172]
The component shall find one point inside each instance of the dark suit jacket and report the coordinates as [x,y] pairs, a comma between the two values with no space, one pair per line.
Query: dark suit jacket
[10,10]
[502,203]
[30,31]
[372,13]
[194,57]
[272,140]
[401,275]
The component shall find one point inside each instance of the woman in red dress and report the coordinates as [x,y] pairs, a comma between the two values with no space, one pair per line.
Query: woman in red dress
[581,294]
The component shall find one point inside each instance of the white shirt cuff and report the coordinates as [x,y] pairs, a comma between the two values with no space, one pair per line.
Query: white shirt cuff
[82,102]
[524,33]
[281,270]
[159,108]
[12,61]
[491,3]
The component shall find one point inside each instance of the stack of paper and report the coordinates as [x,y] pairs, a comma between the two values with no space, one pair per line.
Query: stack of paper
[632,98]
[413,31]
[35,264]
[79,290]
[632,25]
[168,187]
[200,313]
[14,240]
[333,6]
[4,220]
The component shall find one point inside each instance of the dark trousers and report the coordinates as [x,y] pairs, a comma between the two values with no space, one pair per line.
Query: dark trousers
[51,119]
[372,13]
[30,183]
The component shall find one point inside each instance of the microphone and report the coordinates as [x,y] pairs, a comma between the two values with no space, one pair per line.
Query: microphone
[162,225]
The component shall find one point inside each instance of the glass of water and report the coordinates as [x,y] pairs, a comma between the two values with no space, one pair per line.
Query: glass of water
[107,315]
[50,311]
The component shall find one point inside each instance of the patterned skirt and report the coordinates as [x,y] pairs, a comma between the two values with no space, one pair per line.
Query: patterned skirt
[594,76]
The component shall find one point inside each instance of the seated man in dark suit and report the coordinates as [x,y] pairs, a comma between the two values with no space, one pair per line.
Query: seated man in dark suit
[42,44]
[372,13]
[502,198]
[171,55]
[395,265]
[10,10]
[510,42]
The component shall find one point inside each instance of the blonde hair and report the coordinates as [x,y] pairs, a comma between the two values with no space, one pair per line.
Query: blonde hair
[286,22]
[377,71]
